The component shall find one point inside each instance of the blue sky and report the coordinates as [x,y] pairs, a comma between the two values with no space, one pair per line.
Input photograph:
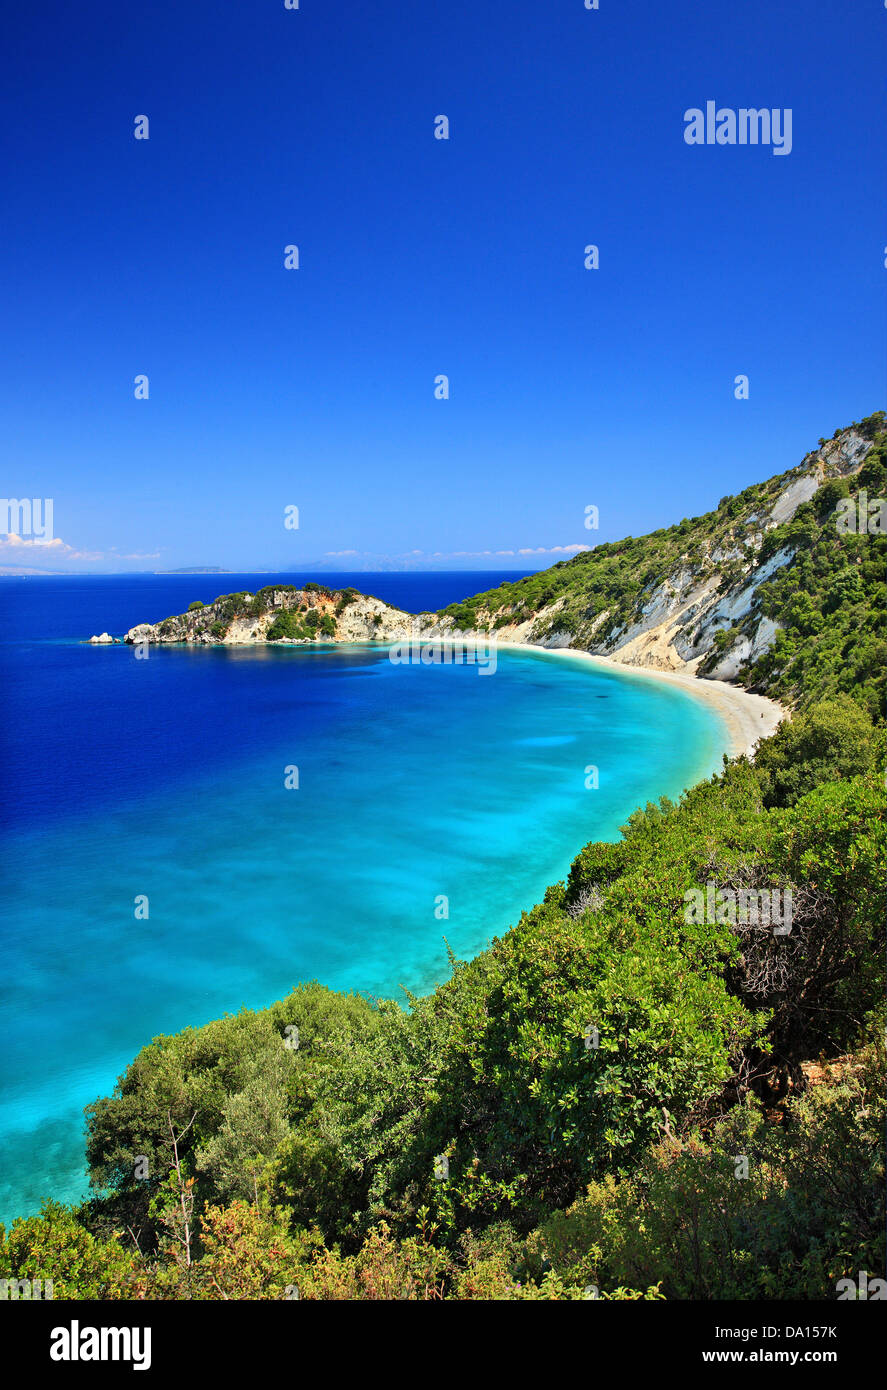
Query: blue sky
[315,387]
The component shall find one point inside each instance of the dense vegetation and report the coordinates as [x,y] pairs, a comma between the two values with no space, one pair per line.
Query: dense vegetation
[303,624]
[620,1098]
[830,602]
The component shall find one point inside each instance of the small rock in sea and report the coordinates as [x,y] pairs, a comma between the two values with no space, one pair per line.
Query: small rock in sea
[105,637]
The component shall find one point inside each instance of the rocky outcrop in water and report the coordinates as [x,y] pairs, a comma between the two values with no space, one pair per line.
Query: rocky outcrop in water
[282,613]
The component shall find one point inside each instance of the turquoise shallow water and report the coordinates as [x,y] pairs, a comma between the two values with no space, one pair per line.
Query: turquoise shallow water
[414,781]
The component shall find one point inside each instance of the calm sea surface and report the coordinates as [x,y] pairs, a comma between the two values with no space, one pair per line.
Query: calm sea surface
[166,778]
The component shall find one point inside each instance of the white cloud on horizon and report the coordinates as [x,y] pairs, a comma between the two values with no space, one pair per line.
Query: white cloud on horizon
[11,542]
[553,550]
[14,540]
[56,553]
[459,554]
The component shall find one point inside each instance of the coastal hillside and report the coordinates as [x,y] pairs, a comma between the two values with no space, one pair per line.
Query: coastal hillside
[780,589]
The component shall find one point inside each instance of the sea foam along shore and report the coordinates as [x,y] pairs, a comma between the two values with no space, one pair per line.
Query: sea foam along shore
[748,718]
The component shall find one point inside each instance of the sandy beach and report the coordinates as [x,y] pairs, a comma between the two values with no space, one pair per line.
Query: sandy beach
[748,718]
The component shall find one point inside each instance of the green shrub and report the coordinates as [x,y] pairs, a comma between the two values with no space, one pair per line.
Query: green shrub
[289,625]
[832,740]
[808,1212]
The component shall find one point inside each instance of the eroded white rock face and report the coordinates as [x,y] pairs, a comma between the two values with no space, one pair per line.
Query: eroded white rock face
[763,641]
[668,607]
[788,502]
[727,668]
[732,607]
[243,631]
[367,619]
[103,640]
[837,458]
[845,454]
[746,649]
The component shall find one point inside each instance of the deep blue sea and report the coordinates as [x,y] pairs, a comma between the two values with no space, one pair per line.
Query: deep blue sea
[166,778]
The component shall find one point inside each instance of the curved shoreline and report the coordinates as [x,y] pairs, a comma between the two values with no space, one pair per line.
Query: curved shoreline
[747,718]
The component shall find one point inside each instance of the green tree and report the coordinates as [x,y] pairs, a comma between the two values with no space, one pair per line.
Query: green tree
[55,1246]
[833,739]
